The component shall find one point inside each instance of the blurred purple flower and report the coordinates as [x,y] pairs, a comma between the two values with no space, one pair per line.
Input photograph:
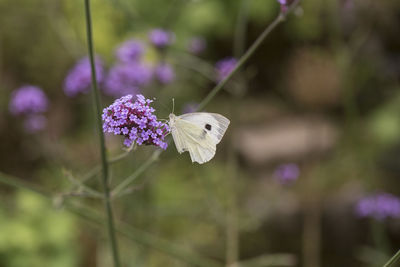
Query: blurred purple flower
[190,107]
[224,67]
[79,78]
[130,51]
[197,45]
[35,123]
[283,2]
[164,73]
[28,99]
[379,206]
[287,173]
[161,38]
[135,121]
[127,79]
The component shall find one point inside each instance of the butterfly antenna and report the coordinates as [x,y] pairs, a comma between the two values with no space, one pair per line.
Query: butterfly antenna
[173,105]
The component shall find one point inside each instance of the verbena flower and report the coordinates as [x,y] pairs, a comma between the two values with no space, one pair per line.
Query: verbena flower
[161,38]
[35,123]
[125,79]
[379,206]
[79,78]
[130,51]
[134,119]
[28,99]
[287,173]
[224,67]
[197,45]
[164,73]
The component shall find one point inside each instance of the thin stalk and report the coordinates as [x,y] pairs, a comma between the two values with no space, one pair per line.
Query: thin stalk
[80,185]
[312,234]
[95,170]
[232,223]
[96,98]
[240,31]
[281,17]
[119,188]
[393,259]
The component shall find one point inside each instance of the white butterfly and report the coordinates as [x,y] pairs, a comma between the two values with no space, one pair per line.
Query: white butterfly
[199,133]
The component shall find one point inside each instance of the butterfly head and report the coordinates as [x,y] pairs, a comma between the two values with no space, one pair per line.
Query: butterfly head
[172,118]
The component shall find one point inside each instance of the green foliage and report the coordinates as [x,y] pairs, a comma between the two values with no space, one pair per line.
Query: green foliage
[34,234]
[384,123]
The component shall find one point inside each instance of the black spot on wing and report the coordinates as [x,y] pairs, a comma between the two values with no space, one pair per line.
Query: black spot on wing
[208,127]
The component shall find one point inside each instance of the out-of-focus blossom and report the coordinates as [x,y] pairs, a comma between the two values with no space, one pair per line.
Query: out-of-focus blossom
[379,206]
[130,51]
[284,5]
[28,99]
[35,123]
[287,173]
[164,73]
[197,45]
[127,79]
[161,38]
[79,78]
[190,107]
[134,119]
[224,67]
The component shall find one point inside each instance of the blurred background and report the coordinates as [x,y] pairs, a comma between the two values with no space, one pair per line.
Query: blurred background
[306,175]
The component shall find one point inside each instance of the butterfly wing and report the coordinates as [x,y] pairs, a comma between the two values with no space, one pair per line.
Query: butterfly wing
[179,141]
[215,124]
[199,133]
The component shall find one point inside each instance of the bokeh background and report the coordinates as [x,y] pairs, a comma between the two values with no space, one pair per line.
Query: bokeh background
[315,127]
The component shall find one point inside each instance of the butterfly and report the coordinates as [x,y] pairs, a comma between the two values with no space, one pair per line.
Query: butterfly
[198,133]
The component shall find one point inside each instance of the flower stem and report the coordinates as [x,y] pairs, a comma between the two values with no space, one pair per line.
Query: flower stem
[392,260]
[96,98]
[126,182]
[281,17]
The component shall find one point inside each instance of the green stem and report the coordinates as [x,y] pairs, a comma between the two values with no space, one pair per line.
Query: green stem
[119,188]
[281,17]
[393,260]
[240,31]
[96,98]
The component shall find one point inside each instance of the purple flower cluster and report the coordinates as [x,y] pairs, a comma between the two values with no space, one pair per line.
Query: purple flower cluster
[224,67]
[135,121]
[379,206]
[28,99]
[287,173]
[164,73]
[130,51]
[30,102]
[197,45]
[125,79]
[161,38]
[79,78]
